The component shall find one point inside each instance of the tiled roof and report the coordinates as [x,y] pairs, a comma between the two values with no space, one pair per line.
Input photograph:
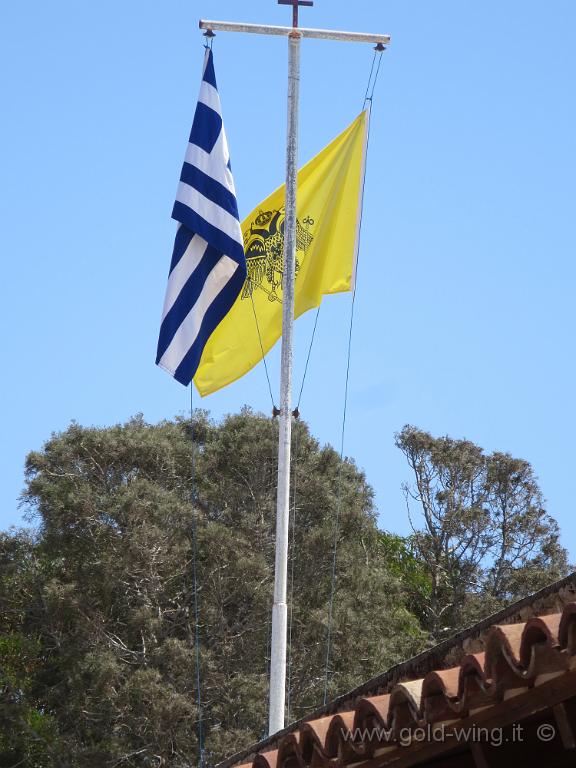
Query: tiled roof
[520,665]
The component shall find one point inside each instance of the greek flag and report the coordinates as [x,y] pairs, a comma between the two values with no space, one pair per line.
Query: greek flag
[208,266]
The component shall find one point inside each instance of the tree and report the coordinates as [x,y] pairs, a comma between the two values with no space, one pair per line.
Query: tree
[26,731]
[486,537]
[101,599]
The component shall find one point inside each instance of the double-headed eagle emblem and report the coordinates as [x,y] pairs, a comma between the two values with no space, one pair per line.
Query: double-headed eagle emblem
[264,249]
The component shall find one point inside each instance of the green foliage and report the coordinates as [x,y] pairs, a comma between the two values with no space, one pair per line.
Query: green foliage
[97,615]
[26,731]
[98,633]
[486,538]
[402,561]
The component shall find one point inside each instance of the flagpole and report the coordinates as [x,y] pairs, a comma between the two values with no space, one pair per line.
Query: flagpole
[280,610]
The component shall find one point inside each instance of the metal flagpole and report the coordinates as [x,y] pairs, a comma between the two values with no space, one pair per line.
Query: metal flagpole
[279,610]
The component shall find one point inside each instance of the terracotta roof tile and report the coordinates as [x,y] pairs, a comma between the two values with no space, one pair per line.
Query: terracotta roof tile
[265,759]
[340,723]
[517,657]
[443,681]
[377,706]
[567,630]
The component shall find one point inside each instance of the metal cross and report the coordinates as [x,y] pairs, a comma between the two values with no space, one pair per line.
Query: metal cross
[295,4]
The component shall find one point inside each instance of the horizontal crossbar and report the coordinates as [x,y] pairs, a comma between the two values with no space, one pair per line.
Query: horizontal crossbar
[321,34]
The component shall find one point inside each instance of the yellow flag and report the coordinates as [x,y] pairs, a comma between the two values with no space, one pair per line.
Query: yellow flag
[329,200]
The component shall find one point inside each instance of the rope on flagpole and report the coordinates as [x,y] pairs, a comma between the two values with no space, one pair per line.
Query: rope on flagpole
[194,531]
[367,98]
[262,349]
[378,51]
[308,358]
[369,78]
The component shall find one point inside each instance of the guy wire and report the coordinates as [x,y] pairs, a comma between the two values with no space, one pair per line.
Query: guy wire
[369,94]
[308,357]
[195,591]
[375,77]
[345,406]
[369,79]
[262,347]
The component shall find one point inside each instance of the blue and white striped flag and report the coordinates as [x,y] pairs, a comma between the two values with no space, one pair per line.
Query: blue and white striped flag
[208,266]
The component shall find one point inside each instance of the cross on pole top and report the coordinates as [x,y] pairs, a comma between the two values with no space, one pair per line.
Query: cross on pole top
[295,4]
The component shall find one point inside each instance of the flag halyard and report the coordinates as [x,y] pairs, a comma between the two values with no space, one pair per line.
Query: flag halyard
[208,266]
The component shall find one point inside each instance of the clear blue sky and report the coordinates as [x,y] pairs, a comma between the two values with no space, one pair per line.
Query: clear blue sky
[465,309]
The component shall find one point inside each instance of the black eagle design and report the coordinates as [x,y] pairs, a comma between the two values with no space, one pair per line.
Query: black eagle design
[264,249]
